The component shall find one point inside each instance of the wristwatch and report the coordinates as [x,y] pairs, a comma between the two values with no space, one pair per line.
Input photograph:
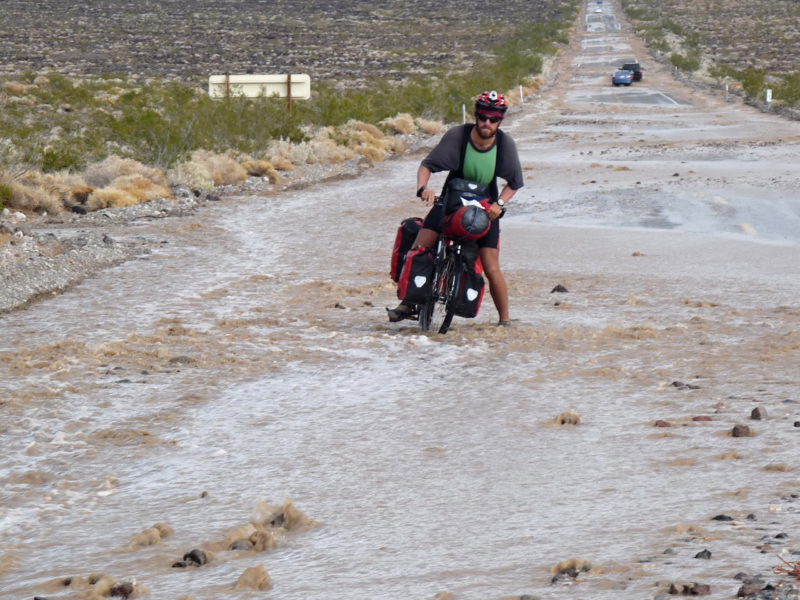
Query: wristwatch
[501,203]
[420,190]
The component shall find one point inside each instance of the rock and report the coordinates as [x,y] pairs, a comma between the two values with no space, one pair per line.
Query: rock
[702,418]
[722,518]
[559,289]
[741,431]
[661,423]
[759,413]
[196,556]
[241,545]
[697,589]
[123,589]
[684,386]
[703,554]
[749,590]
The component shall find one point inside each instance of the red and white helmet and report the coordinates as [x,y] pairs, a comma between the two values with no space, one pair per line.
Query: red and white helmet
[491,102]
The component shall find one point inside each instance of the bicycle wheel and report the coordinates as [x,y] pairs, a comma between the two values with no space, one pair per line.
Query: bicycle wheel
[436,313]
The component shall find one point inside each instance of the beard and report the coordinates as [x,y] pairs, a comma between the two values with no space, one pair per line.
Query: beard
[485,132]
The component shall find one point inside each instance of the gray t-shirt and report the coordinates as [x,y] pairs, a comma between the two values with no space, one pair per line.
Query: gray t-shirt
[447,155]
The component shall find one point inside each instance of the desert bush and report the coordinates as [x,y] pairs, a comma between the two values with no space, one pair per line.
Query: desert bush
[689,62]
[59,124]
[102,173]
[788,90]
[6,194]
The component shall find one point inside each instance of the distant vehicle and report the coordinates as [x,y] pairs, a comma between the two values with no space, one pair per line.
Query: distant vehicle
[636,68]
[622,77]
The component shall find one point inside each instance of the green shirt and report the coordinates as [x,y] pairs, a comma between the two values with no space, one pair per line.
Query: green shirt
[479,166]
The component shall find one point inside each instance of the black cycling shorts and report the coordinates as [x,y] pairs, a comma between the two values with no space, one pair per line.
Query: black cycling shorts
[434,218]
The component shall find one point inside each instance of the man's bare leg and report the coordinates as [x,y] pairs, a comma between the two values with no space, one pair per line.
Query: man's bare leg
[490,257]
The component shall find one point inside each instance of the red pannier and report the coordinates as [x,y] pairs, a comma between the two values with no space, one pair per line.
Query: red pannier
[416,278]
[406,234]
[471,287]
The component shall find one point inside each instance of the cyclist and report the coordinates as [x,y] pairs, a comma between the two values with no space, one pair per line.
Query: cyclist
[478,152]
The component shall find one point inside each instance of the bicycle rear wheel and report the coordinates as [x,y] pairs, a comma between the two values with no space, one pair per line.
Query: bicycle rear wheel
[436,314]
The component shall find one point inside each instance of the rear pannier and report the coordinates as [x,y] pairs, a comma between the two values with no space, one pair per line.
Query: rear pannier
[406,234]
[416,278]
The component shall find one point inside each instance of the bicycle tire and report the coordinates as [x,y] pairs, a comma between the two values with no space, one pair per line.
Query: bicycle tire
[436,314]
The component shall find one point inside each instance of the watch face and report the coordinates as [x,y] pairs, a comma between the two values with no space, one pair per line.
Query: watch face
[501,203]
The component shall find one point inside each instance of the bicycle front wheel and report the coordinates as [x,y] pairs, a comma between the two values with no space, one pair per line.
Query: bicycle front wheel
[436,314]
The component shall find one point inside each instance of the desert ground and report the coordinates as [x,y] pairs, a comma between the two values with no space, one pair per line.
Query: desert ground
[229,414]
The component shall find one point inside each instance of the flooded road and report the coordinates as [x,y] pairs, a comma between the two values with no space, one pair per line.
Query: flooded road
[248,360]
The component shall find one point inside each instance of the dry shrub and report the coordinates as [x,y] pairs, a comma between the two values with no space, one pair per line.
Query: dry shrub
[16,88]
[779,468]
[127,190]
[569,417]
[104,172]
[373,153]
[254,578]
[150,536]
[191,175]
[328,152]
[224,170]
[34,198]
[402,123]
[282,163]
[579,564]
[429,127]
[261,168]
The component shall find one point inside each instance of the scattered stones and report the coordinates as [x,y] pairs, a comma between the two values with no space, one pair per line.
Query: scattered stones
[759,413]
[741,431]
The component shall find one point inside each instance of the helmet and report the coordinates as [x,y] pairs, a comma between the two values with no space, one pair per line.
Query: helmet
[491,101]
[468,222]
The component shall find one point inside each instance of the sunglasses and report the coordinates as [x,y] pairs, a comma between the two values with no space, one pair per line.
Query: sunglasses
[488,118]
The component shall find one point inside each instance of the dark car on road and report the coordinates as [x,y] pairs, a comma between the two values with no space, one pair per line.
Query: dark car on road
[636,68]
[622,77]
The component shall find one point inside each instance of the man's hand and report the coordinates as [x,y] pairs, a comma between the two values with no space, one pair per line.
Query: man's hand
[428,196]
[494,211]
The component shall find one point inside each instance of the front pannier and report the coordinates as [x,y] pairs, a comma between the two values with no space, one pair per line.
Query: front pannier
[416,278]
[406,234]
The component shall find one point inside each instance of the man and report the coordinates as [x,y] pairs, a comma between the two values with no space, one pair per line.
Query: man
[481,153]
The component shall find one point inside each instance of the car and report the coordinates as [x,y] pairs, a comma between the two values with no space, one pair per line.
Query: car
[622,77]
[636,68]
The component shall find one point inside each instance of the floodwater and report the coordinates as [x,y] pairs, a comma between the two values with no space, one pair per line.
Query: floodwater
[248,360]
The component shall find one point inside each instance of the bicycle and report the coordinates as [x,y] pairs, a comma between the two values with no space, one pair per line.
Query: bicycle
[449,290]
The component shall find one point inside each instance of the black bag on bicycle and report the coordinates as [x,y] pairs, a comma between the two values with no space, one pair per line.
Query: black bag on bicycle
[416,278]
[471,285]
[462,192]
[406,234]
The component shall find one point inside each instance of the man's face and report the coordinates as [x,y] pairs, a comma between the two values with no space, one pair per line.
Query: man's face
[487,123]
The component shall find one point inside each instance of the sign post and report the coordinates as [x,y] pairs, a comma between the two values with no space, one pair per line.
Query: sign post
[283,85]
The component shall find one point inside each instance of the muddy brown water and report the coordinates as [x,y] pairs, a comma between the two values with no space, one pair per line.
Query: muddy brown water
[249,360]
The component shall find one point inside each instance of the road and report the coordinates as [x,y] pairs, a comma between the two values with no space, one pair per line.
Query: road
[249,359]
